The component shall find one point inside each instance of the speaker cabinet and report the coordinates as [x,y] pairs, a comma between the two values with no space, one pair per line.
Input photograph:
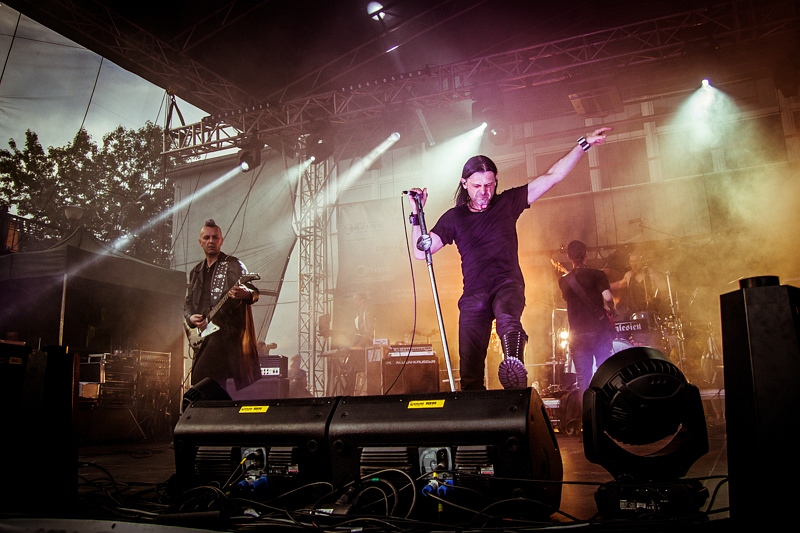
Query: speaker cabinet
[40,396]
[598,102]
[264,388]
[410,375]
[280,442]
[761,362]
[274,366]
[490,445]
[374,367]
[476,448]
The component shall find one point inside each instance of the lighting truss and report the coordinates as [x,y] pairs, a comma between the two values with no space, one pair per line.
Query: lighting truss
[727,24]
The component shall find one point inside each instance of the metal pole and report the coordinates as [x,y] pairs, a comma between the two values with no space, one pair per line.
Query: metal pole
[425,243]
[63,311]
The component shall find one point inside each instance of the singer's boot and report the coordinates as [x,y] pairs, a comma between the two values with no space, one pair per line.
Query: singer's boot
[512,372]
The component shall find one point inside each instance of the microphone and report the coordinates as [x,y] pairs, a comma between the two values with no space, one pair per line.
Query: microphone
[412,194]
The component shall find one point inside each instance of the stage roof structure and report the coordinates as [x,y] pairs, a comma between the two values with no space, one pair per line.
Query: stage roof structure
[271,69]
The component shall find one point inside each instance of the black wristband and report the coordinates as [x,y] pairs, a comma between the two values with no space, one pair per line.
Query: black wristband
[413,219]
[584,144]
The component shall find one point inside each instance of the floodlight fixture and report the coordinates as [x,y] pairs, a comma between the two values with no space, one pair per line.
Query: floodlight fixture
[645,424]
[489,108]
[498,135]
[376,11]
[320,141]
[250,156]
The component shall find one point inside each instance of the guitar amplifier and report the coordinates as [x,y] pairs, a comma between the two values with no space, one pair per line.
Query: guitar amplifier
[412,374]
[274,366]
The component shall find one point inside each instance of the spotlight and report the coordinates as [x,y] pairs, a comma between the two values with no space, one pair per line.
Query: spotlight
[376,11]
[498,135]
[250,156]
[639,401]
[320,141]
[489,108]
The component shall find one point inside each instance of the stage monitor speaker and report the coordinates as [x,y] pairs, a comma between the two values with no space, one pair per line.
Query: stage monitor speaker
[261,448]
[410,375]
[490,446]
[761,360]
[205,389]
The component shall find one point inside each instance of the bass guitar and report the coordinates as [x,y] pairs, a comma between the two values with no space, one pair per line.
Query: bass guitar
[197,335]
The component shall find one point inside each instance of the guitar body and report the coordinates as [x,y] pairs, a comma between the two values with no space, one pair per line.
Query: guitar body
[194,335]
[197,336]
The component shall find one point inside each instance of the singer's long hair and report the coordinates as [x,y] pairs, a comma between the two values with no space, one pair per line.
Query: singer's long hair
[478,163]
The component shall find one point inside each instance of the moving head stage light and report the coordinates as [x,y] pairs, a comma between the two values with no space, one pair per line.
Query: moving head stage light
[645,424]
[442,455]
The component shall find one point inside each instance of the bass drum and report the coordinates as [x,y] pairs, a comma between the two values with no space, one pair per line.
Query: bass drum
[618,345]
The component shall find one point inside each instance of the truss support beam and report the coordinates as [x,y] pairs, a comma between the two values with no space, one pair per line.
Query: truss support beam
[314,296]
[725,25]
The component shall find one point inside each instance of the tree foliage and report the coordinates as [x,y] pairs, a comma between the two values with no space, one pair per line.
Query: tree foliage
[122,185]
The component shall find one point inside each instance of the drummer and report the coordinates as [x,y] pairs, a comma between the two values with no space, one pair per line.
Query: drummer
[646,290]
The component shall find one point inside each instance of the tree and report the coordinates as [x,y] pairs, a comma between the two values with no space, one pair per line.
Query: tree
[122,186]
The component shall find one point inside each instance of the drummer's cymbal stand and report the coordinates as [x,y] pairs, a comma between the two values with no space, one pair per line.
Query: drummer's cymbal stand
[678,327]
[558,353]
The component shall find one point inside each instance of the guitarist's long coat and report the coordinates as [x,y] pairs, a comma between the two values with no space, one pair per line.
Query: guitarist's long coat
[231,351]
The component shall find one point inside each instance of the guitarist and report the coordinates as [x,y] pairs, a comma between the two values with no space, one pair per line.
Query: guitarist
[231,351]
[590,308]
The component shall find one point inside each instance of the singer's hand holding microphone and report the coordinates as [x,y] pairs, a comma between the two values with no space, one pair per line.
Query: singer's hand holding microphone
[417,197]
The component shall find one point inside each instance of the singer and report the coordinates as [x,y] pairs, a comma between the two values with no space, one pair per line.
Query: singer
[483,225]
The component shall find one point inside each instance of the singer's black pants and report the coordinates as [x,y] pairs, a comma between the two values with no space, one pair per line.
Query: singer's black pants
[476,313]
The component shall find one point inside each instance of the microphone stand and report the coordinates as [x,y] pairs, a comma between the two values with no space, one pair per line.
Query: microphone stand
[424,244]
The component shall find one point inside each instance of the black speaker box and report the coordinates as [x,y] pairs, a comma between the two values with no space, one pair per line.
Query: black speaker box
[491,445]
[40,396]
[264,388]
[480,447]
[374,368]
[283,439]
[761,358]
[410,375]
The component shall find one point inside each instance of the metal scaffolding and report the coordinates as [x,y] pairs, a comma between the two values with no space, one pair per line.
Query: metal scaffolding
[314,295]
[722,27]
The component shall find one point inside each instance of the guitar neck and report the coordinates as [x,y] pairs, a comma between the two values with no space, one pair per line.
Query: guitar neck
[217,307]
[244,279]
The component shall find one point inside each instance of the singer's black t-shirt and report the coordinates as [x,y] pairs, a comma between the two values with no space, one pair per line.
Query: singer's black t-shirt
[487,241]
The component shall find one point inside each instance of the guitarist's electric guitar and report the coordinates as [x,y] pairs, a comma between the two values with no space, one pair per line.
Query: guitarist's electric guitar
[559,267]
[198,335]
